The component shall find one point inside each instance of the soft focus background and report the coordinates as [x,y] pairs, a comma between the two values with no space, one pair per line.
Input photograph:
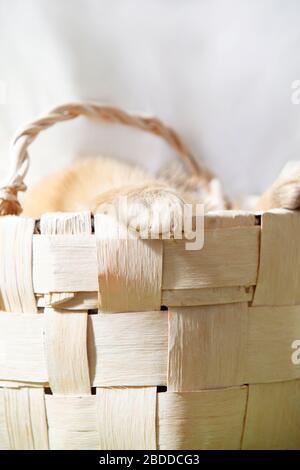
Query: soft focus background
[218,71]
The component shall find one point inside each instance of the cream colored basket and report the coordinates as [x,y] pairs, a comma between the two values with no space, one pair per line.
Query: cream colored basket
[215,371]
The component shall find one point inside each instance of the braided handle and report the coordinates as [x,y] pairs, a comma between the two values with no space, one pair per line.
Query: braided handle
[9,203]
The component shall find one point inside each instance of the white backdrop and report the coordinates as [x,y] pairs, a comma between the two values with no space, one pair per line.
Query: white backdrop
[219,71]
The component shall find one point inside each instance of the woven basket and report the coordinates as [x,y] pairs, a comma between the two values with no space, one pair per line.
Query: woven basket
[212,372]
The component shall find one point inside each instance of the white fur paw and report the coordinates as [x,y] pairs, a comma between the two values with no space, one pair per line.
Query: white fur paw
[152,212]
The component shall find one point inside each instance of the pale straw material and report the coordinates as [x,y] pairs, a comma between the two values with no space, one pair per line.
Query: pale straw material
[90,360]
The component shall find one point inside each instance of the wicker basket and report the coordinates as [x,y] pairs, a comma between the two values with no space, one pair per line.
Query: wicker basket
[212,372]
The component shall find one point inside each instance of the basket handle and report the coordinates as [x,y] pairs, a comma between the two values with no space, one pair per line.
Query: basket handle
[9,203]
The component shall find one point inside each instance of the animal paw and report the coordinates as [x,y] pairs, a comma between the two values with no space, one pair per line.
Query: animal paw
[150,210]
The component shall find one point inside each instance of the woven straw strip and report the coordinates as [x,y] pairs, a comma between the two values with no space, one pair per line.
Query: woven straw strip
[65,335]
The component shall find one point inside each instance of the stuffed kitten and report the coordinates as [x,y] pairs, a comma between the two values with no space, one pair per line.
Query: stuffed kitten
[98,184]
[95,183]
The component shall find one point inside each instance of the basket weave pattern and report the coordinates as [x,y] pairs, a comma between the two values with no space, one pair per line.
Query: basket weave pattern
[73,377]
[89,360]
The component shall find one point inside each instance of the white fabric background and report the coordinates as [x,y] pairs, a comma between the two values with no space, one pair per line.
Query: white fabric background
[219,71]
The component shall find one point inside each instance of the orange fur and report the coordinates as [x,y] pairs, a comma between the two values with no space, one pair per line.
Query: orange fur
[91,183]
[76,187]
